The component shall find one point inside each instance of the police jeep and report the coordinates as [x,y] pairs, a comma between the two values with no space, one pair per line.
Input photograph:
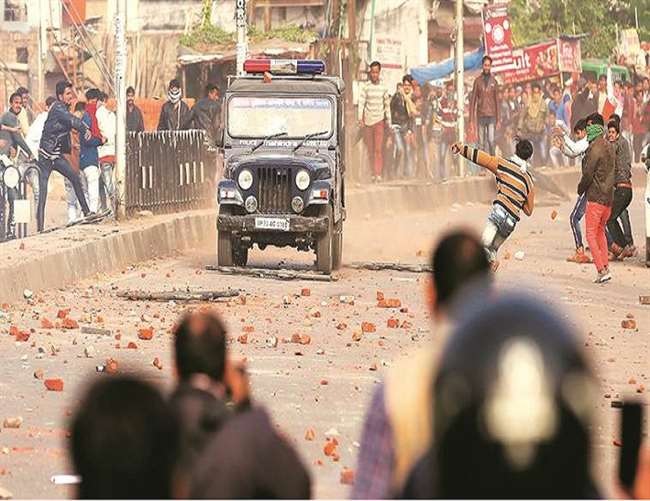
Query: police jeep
[283,144]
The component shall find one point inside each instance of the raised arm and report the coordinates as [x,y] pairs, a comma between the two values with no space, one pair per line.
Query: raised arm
[529,206]
[477,156]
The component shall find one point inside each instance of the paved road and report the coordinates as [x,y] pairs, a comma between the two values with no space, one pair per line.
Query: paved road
[326,384]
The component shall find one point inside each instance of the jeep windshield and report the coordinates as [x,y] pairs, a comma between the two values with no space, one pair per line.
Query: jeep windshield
[257,117]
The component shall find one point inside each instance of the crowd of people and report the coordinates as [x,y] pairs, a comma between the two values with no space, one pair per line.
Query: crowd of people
[505,397]
[408,133]
[75,136]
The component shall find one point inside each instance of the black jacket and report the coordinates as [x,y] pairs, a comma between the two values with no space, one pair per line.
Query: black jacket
[134,120]
[205,116]
[55,140]
[248,459]
[172,117]
[398,112]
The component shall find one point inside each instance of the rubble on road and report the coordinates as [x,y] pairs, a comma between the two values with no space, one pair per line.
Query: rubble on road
[186,295]
[278,274]
[383,266]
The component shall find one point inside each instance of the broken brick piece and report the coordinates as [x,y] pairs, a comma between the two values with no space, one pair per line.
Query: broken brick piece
[389,303]
[54,384]
[406,324]
[243,339]
[46,324]
[628,324]
[131,346]
[145,334]
[111,366]
[305,292]
[330,447]
[157,363]
[248,328]
[380,296]
[63,313]
[310,435]
[392,323]
[341,326]
[368,327]
[347,476]
[69,323]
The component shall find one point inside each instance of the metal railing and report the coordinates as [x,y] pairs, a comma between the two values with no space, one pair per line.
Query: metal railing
[169,171]
[16,206]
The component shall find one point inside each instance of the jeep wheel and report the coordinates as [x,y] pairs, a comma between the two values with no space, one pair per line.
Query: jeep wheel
[337,245]
[324,245]
[224,243]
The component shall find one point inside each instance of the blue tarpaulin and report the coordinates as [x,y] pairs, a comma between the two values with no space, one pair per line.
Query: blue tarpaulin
[424,74]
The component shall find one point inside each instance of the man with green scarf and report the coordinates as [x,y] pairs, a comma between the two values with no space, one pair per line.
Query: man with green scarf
[597,182]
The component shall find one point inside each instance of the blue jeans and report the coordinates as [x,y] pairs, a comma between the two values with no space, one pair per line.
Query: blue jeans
[486,134]
[107,188]
[404,165]
[500,224]
[577,214]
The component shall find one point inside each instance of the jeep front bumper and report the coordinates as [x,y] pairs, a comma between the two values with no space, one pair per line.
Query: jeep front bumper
[251,224]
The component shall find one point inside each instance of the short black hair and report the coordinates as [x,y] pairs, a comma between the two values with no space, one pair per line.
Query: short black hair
[375,63]
[524,149]
[102,96]
[486,58]
[22,91]
[92,94]
[14,96]
[602,77]
[596,118]
[535,85]
[125,441]
[130,90]
[210,87]
[615,117]
[407,78]
[174,83]
[458,259]
[50,101]
[614,124]
[79,106]
[200,345]
[61,87]
[580,125]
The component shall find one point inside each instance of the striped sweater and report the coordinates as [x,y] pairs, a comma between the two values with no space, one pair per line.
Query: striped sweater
[514,184]
[374,104]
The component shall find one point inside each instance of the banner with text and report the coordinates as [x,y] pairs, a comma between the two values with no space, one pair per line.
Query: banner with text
[497,33]
[533,62]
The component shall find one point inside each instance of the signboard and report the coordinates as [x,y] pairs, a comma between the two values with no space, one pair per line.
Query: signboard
[533,62]
[497,33]
[390,52]
[570,55]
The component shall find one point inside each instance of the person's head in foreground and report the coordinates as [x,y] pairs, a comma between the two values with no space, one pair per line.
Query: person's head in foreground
[125,441]
[460,267]
[513,403]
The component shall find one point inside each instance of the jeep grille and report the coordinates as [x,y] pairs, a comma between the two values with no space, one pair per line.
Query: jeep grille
[274,196]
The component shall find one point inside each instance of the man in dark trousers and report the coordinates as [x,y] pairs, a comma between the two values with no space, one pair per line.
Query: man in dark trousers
[484,107]
[55,143]
[134,119]
[206,113]
[174,113]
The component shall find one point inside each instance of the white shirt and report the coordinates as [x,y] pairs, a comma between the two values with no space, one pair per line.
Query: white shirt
[574,149]
[35,131]
[107,126]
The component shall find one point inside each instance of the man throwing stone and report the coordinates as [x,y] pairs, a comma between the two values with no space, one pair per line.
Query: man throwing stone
[515,192]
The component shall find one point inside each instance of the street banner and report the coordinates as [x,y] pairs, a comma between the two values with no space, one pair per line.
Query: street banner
[497,33]
[570,54]
[533,62]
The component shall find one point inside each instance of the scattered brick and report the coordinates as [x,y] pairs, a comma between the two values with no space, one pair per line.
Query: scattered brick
[347,476]
[54,384]
[628,324]
[248,328]
[63,313]
[305,292]
[111,366]
[330,447]
[310,435]
[46,323]
[243,339]
[145,334]
[131,346]
[69,323]
[392,323]
[368,327]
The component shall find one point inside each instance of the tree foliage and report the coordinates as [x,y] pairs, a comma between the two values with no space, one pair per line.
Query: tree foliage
[537,20]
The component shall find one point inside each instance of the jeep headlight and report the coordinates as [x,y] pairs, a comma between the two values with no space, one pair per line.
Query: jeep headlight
[302,180]
[245,179]
[11,177]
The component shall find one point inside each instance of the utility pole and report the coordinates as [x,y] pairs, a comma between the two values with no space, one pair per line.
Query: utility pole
[42,50]
[120,91]
[242,35]
[460,78]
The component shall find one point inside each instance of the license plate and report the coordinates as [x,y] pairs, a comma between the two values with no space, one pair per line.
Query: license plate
[272,223]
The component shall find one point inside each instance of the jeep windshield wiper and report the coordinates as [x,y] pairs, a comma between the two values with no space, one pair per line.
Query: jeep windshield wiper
[272,136]
[308,137]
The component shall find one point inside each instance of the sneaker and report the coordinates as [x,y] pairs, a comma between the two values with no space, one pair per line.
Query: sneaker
[603,277]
